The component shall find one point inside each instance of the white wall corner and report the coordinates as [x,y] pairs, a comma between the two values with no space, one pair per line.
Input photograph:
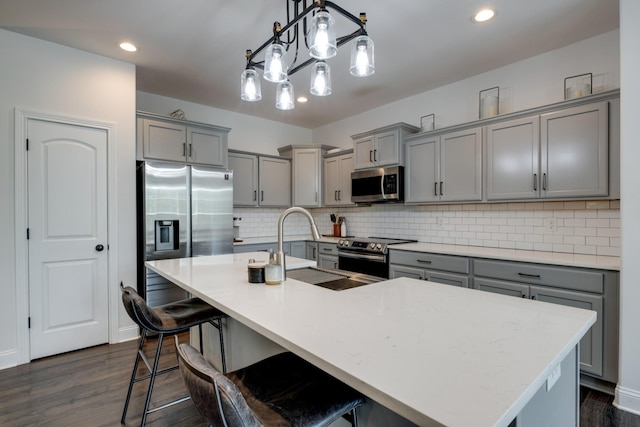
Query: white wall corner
[627,399]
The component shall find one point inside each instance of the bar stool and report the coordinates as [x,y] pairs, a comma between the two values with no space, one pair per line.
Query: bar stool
[165,320]
[282,390]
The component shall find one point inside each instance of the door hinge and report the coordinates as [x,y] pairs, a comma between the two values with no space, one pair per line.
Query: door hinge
[27,234]
[29,322]
[27,144]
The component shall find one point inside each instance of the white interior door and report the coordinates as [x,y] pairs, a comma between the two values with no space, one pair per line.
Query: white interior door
[67,196]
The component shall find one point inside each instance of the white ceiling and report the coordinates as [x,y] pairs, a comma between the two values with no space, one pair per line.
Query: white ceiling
[194,50]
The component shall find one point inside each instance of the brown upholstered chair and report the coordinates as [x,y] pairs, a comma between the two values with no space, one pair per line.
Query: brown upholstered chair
[282,390]
[165,320]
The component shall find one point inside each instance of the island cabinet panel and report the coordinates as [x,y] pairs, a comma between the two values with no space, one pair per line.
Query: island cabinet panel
[327,255]
[179,141]
[444,168]
[589,289]
[262,247]
[556,155]
[448,270]
[298,249]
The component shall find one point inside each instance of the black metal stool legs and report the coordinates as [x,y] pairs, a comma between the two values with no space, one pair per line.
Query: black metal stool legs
[133,376]
[218,325]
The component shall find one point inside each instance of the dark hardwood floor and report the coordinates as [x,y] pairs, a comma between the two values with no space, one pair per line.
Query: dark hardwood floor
[88,387]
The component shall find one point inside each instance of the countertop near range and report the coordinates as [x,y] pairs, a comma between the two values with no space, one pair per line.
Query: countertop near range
[435,354]
[537,257]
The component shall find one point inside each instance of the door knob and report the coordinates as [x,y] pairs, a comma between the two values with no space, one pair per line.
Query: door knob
[99,248]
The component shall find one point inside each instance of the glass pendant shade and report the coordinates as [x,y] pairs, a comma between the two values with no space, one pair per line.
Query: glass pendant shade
[321,79]
[322,36]
[250,85]
[362,62]
[285,96]
[275,63]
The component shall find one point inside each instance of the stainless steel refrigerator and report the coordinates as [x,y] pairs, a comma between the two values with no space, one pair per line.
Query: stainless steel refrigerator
[182,211]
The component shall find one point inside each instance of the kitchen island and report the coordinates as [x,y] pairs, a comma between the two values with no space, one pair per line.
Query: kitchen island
[432,353]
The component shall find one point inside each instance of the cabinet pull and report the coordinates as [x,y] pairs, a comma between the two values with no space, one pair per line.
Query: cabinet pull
[424,261]
[375,155]
[524,296]
[190,150]
[533,297]
[535,182]
[441,192]
[314,253]
[435,188]
[316,199]
[533,276]
[335,195]
[327,249]
[370,156]
[544,182]
[262,195]
[339,195]
[255,195]
[184,149]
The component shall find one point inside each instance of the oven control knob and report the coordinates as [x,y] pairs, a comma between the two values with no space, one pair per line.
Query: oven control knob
[346,243]
[340,242]
[372,245]
[379,246]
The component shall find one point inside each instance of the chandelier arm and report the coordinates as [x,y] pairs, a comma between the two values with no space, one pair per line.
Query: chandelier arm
[344,13]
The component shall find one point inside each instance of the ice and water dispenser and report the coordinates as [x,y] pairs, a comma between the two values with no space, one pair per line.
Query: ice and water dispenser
[166,235]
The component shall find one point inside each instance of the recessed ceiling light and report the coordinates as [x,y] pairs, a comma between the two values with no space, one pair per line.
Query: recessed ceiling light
[302,99]
[129,47]
[484,15]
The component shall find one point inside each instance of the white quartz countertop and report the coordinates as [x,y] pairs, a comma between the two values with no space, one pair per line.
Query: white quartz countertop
[538,257]
[435,354]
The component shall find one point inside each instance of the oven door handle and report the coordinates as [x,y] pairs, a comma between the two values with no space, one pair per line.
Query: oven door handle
[375,258]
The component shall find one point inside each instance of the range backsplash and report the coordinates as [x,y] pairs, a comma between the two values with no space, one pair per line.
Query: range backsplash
[581,227]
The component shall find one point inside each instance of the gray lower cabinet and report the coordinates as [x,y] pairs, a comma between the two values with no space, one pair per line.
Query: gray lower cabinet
[445,269]
[589,289]
[327,255]
[298,249]
[312,251]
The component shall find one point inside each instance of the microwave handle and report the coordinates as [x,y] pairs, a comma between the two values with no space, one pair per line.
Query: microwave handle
[384,196]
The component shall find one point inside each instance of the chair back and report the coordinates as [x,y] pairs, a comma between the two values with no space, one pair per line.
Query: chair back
[139,311]
[215,397]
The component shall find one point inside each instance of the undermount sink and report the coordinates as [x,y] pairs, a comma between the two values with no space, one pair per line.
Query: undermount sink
[331,279]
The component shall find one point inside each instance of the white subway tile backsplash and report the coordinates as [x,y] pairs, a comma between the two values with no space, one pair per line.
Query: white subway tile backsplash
[580,227]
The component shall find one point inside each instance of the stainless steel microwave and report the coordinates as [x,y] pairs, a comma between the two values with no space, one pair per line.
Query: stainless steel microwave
[378,185]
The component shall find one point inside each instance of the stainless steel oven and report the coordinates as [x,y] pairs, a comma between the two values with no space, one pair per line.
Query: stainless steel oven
[366,255]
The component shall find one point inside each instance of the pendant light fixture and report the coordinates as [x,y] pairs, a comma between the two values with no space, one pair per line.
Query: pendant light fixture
[285,96]
[317,31]
[321,79]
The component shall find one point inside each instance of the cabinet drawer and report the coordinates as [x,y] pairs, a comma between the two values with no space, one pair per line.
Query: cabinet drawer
[327,249]
[560,277]
[430,261]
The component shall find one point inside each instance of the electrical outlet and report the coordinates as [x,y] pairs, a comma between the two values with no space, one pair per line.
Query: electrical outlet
[551,224]
[439,222]
[553,378]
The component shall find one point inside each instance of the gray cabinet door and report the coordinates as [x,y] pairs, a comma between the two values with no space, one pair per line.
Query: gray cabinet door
[423,170]
[363,151]
[312,251]
[328,261]
[447,278]
[274,182]
[517,290]
[331,181]
[206,147]
[396,271]
[461,166]
[346,167]
[575,149]
[245,179]
[591,345]
[164,141]
[386,148]
[298,249]
[513,150]
[306,177]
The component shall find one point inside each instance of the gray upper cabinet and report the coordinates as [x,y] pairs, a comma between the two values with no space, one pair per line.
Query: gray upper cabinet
[381,147]
[513,153]
[445,167]
[260,180]
[306,173]
[179,141]
[574,152]
[337,180]
[558,155]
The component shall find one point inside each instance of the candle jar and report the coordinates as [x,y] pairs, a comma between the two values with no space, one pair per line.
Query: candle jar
[489,102]
[577,86]
[272,274]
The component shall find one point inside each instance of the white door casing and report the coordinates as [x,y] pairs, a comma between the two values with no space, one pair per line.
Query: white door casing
[67,221]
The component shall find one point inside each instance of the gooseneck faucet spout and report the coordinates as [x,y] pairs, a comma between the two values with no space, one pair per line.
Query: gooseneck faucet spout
[280,258]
